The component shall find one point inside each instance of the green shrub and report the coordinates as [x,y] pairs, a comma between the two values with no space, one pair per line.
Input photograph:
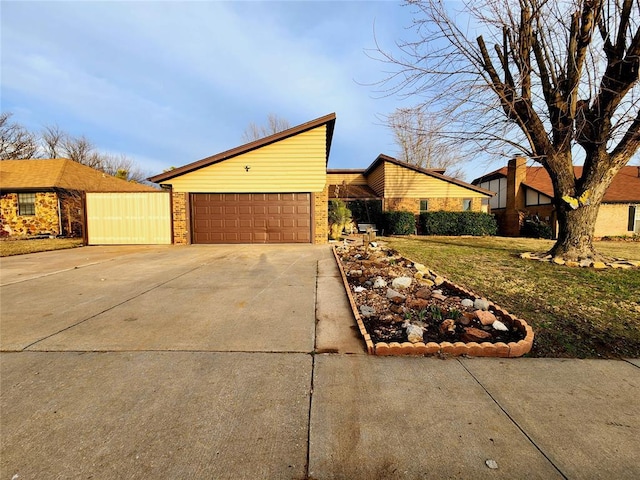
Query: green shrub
[534,228]
[457,223]
[339,217]
[398,223]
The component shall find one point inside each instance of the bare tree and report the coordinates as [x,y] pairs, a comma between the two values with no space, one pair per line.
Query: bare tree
[418,135]
[82,150]
[552,79]
[16,142]
[274,124]
[123,167]
[52,141]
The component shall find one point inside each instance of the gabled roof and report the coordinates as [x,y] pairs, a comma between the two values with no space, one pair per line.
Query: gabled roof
[430,172]
[61,173]
[328,120]
[624,188]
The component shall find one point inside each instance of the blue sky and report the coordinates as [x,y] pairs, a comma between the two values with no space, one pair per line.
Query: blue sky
[168,83]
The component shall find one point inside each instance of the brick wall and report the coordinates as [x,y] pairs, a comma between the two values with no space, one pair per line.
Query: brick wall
[402,204]
[613,220]
[180,218]
[45,220]
[435,204]
[321,216]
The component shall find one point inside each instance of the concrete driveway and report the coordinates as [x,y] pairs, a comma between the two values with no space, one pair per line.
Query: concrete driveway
[244,362]
[162,298]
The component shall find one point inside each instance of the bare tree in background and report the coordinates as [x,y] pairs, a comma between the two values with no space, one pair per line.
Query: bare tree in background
[52,142]
[123,167]
[418,135]
[550,79]
[274,124]
[15,140]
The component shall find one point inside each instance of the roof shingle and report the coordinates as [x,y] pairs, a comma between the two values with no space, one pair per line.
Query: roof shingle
[61,173]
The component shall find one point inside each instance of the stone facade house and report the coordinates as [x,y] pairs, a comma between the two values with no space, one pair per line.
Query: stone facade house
[399,186]
[523,192]
[44,196]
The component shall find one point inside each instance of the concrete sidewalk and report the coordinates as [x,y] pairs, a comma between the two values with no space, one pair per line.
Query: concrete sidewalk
[123,385]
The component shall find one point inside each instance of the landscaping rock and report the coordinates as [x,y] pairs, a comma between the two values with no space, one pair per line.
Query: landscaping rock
[427,282]
[401,283]
[467,302]
[414,333]
[448,326]
[421,268]
[379,283]
[355,273]
[486,318]
[395,297]
[558,261]
[586,263]
[438,296]
[418,304]
[481,304]
[399,309]
[438,281]
[367,311]
[571,263]
[472,334]
[466,318]
[599,265]
[424,293]
[359,289]
[498,325]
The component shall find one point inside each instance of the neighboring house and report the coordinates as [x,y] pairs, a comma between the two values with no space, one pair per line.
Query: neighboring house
[401,186]
[44,196]
[523,192]
[272,190]
[276,189]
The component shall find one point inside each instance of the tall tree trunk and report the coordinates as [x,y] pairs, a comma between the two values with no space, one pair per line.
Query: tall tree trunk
[575,232]
[578,202]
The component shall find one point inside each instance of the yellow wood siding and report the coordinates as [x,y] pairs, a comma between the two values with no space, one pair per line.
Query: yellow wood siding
[376,179]
[348,178]
[295,164]
[403,182]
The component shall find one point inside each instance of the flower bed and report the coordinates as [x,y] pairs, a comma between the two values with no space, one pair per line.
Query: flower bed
[403,308]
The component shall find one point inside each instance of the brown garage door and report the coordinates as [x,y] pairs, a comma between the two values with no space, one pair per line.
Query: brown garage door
[251,217]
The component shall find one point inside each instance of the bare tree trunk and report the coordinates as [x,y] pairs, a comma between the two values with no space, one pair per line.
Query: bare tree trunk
[575,233]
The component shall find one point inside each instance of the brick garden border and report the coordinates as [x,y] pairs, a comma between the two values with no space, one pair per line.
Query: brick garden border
[473,349]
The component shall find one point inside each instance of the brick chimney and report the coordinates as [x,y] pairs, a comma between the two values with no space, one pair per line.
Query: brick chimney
[516,175]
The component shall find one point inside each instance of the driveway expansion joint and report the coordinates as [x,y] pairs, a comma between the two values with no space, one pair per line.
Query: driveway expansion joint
[110,308]
[515,423]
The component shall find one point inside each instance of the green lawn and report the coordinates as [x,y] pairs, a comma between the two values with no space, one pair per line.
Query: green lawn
[19,247]
[575,312]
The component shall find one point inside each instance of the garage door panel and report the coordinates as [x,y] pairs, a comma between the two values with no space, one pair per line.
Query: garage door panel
[251,218]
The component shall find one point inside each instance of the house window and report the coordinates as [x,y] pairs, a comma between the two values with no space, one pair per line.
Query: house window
[424,206]
[26,204]
[634,218]
[466,204]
